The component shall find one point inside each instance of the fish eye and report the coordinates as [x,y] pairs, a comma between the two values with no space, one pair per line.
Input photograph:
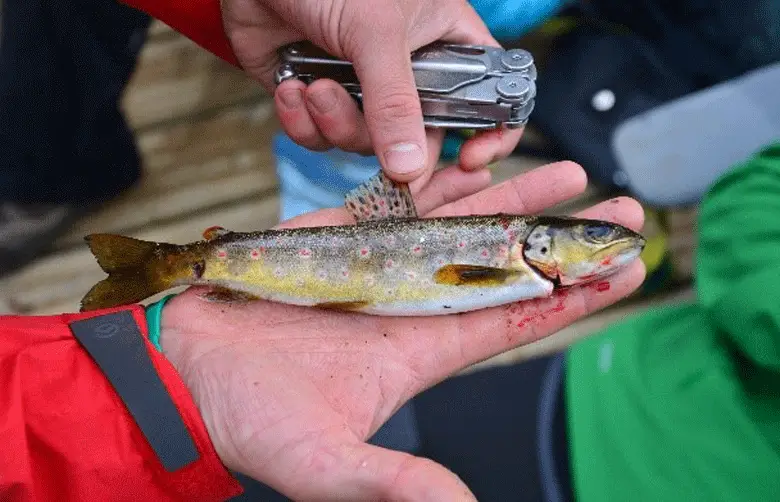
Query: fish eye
[597,231]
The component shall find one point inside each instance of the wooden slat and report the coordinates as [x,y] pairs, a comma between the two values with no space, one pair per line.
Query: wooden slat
[176,79]
[192,167]
[683,240]
[61,280]
[158,30]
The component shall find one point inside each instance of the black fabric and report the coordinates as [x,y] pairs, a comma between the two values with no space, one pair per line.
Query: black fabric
[585,62]
[483,426]
[647,52]
[560,445]
[707,41]
[63,67]
[117,346]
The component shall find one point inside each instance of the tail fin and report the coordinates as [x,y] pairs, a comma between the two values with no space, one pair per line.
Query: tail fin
[135,271]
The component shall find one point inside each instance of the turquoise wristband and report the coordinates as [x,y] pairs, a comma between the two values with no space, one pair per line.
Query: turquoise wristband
[153,316]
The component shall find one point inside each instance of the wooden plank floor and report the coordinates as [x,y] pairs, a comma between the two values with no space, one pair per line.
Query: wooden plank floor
[204,130]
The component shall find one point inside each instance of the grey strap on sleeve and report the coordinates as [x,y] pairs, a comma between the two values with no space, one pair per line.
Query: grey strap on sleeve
[116,344]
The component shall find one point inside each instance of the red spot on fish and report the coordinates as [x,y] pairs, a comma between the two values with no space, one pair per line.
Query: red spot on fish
[389,264]
[345,273]
[503,251]
[382,202]
[416,249]
[364,252]
[255,254]
[504,222]
[602,286]
[221,254]
[461,244]
[607,261]
[304,253]
[485,253]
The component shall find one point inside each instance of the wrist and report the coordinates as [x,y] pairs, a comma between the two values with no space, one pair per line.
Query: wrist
[176,345]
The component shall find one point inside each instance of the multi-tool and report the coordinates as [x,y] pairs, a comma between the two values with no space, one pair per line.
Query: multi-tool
[460,86]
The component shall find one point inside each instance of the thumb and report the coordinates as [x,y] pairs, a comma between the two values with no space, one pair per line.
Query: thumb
[391,104]
[363,472]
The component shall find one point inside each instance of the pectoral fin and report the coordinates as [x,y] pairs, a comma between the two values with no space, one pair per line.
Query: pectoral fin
[380,198]
[471,275]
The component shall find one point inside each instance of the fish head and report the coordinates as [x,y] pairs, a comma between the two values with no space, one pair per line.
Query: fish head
[575,251]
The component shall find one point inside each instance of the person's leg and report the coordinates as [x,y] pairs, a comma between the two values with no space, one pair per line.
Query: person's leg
[64,143]
[309,181]
[494,426]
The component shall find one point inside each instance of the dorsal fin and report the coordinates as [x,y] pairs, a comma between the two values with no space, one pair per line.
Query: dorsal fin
[380,198]
[215,232]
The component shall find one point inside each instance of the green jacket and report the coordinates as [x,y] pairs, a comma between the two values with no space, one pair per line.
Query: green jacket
[683,403]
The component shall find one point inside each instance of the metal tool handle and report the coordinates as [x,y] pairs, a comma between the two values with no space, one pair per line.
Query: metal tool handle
[460,86]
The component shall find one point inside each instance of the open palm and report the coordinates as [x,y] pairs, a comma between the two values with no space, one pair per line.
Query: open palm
[290,394]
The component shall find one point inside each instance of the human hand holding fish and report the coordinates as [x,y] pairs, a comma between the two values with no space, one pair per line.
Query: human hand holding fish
[290,393]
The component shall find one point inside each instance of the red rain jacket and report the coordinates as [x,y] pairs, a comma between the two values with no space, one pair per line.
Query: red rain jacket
[66,434]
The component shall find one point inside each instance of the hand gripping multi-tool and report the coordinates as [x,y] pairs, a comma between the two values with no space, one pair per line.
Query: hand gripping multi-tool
[460,86]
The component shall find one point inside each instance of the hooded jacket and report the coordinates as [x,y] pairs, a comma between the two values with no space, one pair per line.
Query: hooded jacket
[683,402]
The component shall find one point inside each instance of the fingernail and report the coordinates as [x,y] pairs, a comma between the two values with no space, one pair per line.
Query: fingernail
[292,98]
[404,158]
[324,101]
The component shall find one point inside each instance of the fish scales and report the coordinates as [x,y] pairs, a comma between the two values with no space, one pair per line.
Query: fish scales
[389,263]
[389,266]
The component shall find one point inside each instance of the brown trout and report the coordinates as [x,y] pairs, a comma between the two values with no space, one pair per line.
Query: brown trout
[389,263]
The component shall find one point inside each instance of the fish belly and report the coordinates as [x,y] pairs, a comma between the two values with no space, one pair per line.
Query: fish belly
[457,299]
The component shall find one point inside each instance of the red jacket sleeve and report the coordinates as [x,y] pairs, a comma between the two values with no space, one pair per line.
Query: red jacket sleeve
[198,20]
[68,436]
